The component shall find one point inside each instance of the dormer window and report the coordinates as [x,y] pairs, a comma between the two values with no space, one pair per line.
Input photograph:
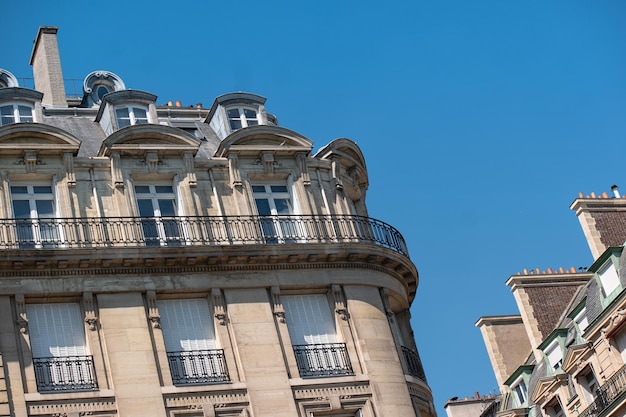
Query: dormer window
[15,113]
[240,117]
[608,278]
[554,354]
[130,116]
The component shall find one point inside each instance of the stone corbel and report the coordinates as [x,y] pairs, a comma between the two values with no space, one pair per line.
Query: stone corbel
[304,169]
[277,305]
[267,159]
[190,170]
[219,307]
[22,319]
[152,161]
[30,160]
[68,163]
[153,310]
[340,302]
[233,170]
[336,173]
[384,292]
[116,170]
[90,312]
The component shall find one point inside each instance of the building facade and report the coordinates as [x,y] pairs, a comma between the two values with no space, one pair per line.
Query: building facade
[572,324]
[160,260]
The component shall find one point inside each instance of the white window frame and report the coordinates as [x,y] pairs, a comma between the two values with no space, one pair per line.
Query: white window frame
[587,386]
[609,279]
[619,339]
[17,117]
[41,232]
[163,237]
[243,119]
[554,354]
[520,392]
[581,320]
[281,227]
[132,119]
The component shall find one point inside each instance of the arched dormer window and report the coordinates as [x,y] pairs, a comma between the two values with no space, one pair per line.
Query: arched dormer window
[98,84]
[17,105]
[7,79]
[125,108]
[234,111]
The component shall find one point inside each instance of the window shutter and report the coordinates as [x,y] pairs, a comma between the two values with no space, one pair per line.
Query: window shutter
[56,330]
[309,319]
[187,325]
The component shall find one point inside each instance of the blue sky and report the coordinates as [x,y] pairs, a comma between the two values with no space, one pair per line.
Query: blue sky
[480,120]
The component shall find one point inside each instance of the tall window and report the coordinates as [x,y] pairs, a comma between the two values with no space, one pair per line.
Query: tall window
[33,209]
[189,338]
[157,207]
[520,392]
[273,202]
[313,336]
[609,279]
[129,116]
[15,113]
[60,356]
[589,385]
[239,117]
[554,354]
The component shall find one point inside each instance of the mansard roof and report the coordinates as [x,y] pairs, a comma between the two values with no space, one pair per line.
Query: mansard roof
[17,137]
[252,140]
[153,137]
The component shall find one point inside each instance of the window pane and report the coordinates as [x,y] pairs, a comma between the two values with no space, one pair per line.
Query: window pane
[145,208]
[258,188]
[164,189]
[44,208]
[167,208]
[187,325]
[141,117]
[142,189]
[233,113]
[283,206]
[123,117]
[279,188]
[250,114]
[19,189]
[26,114]
[42,189]
[21,209]
[6,115]
[235,124]
[263,206]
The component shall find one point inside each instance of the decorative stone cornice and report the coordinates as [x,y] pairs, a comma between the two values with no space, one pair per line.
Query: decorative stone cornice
[345,391]
[224,397]
[85,407]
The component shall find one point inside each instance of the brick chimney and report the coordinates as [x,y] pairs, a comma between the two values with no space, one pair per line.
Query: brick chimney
[46,64]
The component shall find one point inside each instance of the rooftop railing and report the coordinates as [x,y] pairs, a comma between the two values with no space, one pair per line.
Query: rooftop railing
[613,388]
[70,233]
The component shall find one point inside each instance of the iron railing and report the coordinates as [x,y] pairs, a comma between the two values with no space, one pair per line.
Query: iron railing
[327,359]
[613,388]
[198,367]
[413,363]
[196,231]
[70,373]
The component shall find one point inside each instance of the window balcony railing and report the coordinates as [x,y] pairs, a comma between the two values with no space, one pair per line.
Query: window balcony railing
[70,373]
[196,231]
[413,363]
[198,367]
[328,359]
[613,388]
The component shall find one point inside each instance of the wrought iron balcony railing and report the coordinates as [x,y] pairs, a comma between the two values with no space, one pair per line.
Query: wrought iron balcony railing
[413,363]
[196,231]
[198,367]
[607,393]
[326,359]
[70,373]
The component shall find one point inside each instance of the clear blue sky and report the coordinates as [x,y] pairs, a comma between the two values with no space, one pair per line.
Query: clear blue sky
[480,120]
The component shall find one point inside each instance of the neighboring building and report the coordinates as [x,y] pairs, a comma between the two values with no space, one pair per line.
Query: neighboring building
[486,406]
[184,261]
[573,325]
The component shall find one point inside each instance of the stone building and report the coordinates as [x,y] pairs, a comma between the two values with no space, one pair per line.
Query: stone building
[572,327]
[160,260]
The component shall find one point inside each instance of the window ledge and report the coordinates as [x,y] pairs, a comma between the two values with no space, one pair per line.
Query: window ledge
[228,386]
[36,396]
[295,382]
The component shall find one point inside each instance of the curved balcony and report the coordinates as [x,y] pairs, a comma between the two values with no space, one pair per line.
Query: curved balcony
[70,233]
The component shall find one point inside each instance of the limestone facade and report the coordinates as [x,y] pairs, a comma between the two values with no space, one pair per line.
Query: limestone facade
[160,260]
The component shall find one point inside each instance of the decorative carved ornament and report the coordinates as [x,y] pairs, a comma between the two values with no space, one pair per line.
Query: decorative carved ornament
[22,319]
[68,163]
[304,169]
[116,170]
[219,306]
[277,305]
[90,312]
[340,303]
[153,310]
[233,170]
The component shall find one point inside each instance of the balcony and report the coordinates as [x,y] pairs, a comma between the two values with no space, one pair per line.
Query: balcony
[71,373]
[328,359]
[611,390]
[71,233]
[198,367]
[413,363]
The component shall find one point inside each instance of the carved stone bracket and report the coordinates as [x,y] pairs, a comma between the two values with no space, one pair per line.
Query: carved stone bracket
[152,161]
[22,319]
[304,169]
[30,160]
[277,305]
[384,293]
[336,172]
[340,302]
[90,312]
[153,310]
[116,170]
[190,170]
[68,163]
[219,307]
[233,170]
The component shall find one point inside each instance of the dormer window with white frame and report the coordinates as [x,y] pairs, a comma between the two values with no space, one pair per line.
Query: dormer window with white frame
[130,116]
[15,113]
[554,354]
[520,393]
[581,320]
[609,279]
[240,117]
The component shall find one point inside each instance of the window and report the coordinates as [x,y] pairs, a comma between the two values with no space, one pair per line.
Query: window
[589,385]
[608,279]
[34,212]
[239,117]
[189,337]
[130,116]
[554,409]
[157,207]
[15,113]
[272,201]
[554,354]
[620,341]
[60,356]
[313,336]
[520,393]
[581,320]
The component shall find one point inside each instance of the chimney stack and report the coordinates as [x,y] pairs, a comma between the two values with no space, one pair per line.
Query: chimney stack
[46,64]
[615,190]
